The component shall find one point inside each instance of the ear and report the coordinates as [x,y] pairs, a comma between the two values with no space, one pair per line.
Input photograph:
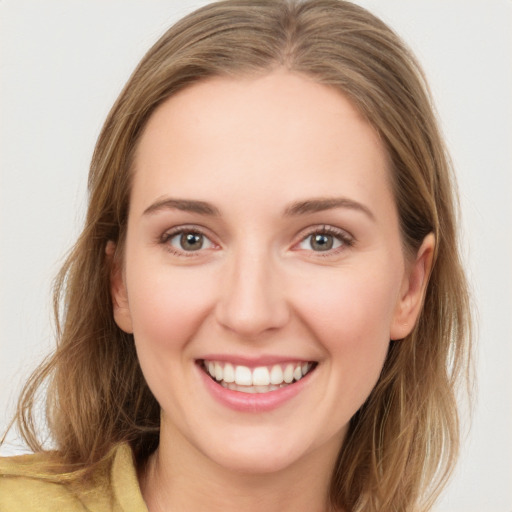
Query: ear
[118,292]
[413,290]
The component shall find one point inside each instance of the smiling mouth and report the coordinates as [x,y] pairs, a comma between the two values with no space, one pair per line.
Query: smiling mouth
[261,379]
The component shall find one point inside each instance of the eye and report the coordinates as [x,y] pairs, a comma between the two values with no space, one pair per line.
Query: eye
[187,241]
[324,240]
[320,242]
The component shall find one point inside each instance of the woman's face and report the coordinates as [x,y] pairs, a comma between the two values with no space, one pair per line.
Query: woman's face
[263,247]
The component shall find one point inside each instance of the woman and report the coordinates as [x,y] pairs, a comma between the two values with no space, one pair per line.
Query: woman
[266,306]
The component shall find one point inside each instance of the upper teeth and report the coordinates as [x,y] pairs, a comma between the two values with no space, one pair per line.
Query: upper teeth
[258,376]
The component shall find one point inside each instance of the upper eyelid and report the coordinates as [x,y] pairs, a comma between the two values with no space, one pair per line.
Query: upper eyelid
[328,229]
[190,228]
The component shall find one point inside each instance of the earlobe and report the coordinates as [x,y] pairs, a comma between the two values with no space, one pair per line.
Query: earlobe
[118,292]
[413,290]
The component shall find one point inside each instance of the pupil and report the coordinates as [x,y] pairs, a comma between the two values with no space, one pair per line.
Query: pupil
[191,241]
[322,242]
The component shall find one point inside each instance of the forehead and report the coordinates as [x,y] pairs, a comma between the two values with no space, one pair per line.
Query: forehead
[277,133]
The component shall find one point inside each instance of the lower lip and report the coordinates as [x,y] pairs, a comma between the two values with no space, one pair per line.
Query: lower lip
[253,402]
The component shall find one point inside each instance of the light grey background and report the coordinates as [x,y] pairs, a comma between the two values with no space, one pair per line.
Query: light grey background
[62,64]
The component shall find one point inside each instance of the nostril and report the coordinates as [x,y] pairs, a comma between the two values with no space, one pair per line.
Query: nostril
[252,319]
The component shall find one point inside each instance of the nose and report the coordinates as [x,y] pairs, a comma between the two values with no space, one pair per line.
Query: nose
[252,299]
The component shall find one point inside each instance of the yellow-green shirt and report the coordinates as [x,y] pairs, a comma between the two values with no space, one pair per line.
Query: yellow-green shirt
[115,489]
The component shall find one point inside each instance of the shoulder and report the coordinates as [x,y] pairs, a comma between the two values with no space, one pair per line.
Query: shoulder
[27,485]
[24,486]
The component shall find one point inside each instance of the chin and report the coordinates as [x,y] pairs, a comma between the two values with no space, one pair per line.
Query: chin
[255,460]
[260,451]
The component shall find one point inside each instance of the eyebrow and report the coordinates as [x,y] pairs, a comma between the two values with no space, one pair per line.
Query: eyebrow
[186,205]
[322,204]
[297,208]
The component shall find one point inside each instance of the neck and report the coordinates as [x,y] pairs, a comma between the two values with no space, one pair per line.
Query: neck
[178,477]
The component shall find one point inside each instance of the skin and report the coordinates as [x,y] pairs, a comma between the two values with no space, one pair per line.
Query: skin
[252,149]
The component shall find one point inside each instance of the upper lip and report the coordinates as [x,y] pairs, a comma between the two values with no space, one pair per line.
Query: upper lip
[262,360]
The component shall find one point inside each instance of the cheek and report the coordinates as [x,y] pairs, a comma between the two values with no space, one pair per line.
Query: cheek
[351,315]
[167,306]
[357,306]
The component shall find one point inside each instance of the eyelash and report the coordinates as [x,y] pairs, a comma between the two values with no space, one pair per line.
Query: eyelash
[342,236]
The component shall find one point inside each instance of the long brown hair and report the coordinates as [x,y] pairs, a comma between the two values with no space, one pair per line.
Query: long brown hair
[403,442]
